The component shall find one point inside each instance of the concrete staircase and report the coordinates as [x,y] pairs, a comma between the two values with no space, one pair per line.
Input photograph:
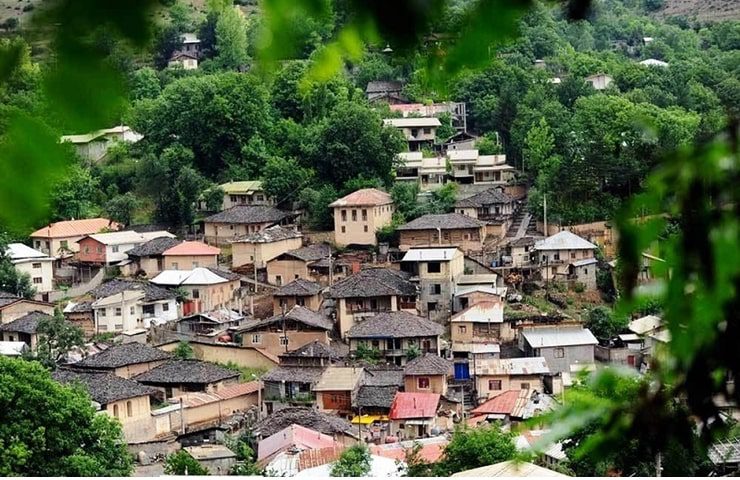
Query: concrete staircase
[520,224]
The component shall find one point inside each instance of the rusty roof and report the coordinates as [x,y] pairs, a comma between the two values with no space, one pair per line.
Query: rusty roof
[75,228]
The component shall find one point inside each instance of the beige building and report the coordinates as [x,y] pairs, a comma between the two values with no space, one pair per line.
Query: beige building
[148,258]
[336,390]
[555,256]
[37,265]
[207,288]
[261,247]
[127,306]
[13,307]
[190,255]
[482,322]
[369,292]
[450,229]
[419,132]
[224,227]
[24,329]
[436,270]
[175,377]
[60,239]
[427,374]
[304,293]
[359,215]
[295,264]
[497,375]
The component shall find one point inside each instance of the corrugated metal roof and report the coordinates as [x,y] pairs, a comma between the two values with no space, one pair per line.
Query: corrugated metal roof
[196,276]
[584,262]
[564,240]
[414,405]
[128,237]
[481,312]
[512,366]
[558,336]
[430,254]
[415,122]
[645,324]
[18,251]
[294,437]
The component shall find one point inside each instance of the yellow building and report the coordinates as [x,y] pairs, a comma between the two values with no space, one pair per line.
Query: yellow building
[359,215]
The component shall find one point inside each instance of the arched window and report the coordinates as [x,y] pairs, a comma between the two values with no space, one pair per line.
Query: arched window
[115,411]
[129,409]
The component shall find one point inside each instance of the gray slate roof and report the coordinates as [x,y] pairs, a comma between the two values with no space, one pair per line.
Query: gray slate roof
[270,234]
[445,221]
[103,387]
[294,374]
[297,313]
[370,396]
[382,86]
[7,298]
[28,323]
[428,364]
[300,287]
[122,355]
[248,214]
[395,325]
[81,307]
[305,417]
[155,246]
[383,376]
[373,282]
[152,292]
[227,274]
[313,349]
[310,253]
[485,198]
[186,371]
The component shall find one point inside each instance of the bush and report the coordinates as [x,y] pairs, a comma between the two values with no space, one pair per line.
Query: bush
[354,462]
[182,463]
[579,287]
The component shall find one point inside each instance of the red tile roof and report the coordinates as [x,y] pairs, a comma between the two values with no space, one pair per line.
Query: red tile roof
[238,390]
[321,456]
[504,403]
[75,228]
[365,196]
[192,248]
[294,437]
[414,405]
[428,452]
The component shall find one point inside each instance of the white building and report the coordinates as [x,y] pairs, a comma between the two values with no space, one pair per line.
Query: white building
[37,265]
[94,146]
[566,256]
[599,81]
[127,305]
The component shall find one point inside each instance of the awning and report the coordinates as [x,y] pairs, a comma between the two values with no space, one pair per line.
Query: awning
[418,422]
[368,419]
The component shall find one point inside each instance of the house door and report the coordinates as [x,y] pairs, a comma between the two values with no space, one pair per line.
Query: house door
[631,360]
[421,431]
[462,371]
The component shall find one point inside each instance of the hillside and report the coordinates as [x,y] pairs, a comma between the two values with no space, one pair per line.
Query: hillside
[703,10]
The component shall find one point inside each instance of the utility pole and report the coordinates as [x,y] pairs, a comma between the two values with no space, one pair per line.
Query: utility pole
[544,200]
[285,332]
[331,270]
[254,292]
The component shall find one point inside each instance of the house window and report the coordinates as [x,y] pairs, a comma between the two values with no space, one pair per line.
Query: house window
[435,289]
[147,309]
[101,312]
[118,311]
[37,280]
[64,244]
[196,293]
[344,215]
[414,132]
[427,131]
[364,215]
[344,230]
[132,310]
[434,267]
[365,228]
[462,329]
[87,249]
[114,248]
[422,383]
[494,384]
[524,386]
[256,338]
[195,265]
[165,307]
[174,265]
[115,411]
[354,215]
[426,345]
[278,280]
[559,352]
[301,302]
[431,306]
[36,265]
[129,409]
[283,341]
[556,256]
[573,255]
[100,249]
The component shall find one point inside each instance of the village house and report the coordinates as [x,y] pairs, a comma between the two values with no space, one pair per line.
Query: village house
[259,248]
[519,252]
[223,227]
[184,60]
[492,206]
[599,81]
[386,91]
[467,295]
[566,256]
[429,172]
[125,360]
[216,459]
[420,132]
[37,265]
[482,322]
[13,307]
[60,239]
[80,314]
[207,288]
[449,229]
[121,398]
[148,258]
[332,425]
[468,166]
[190,255]
[298,292]
[24,329]
[375,396]
[513,405]
[369,292]
[336,390]
[427,373]
[413,414]
[111,248]
[287,446]
[435,270]
[496,375]
[394,337]
[560,346]
[208,324]
[94,146]
[295,264]
[248,192]
[359,215]
[282,333]
[623,349]
[176,377]
[456,110]
[127,305]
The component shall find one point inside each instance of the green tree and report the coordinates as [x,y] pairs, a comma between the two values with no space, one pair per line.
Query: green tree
[604,324]
[214,198]
[446,130]
[488,144]
[121,208]
[316,202]
[283,179]
[145,84]
[476,447]
[415,464]
[354,462]
[538,146]
[404,196]
[246,459]
[183,351]
[231,39]
[68,439]
[12,280]
[353,142]
[56,337]
[182,463]
[74,195]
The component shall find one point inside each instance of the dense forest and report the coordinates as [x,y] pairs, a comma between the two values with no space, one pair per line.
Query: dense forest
[311,141]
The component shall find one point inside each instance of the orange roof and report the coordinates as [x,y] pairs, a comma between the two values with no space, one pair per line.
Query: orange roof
[365,196]
[75,228]
[503,403]
[191,248]
[239,389]
[429,452]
